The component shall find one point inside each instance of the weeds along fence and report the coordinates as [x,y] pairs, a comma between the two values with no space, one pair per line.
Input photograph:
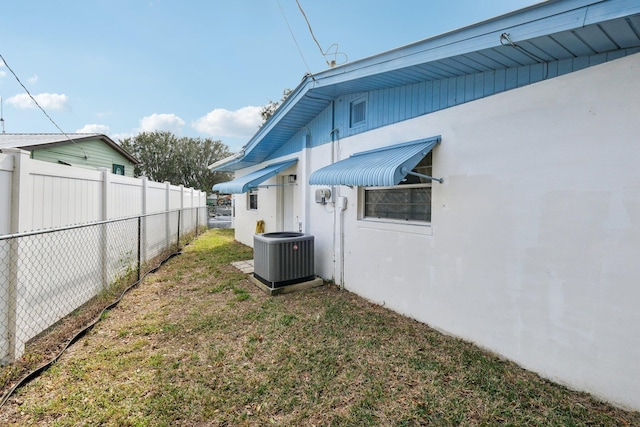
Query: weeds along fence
[45,275]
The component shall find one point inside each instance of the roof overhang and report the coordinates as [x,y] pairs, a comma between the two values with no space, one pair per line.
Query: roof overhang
[546,32]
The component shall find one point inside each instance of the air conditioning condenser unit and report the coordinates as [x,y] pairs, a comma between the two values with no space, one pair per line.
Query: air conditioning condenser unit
[283,258]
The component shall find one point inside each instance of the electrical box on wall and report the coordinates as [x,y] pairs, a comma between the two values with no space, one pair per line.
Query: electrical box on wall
[323,195]
[341,203]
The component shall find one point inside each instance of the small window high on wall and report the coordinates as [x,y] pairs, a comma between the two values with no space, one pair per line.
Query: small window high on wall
[252,199]
[117,169]
[358,113]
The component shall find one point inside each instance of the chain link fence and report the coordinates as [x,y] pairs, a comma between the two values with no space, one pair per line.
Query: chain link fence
[46,275]
[220,214]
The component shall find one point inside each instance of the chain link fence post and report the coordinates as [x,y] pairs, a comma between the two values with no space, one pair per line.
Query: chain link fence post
[12,302]
[47,274]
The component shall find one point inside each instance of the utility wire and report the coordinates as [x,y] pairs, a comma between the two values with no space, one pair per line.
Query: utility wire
[507,37]
[40,107]
[324,53]
[294,39]
[310,29]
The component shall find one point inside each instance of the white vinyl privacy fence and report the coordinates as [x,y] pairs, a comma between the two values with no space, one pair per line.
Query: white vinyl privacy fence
[36,195]
[66,234]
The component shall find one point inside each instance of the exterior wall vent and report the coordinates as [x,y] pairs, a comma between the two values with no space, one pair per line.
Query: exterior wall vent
[283,258]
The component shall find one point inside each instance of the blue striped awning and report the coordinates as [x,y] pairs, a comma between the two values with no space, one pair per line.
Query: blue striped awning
[385,166]
[253,179]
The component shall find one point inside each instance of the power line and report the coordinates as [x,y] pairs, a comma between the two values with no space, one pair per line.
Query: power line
[39,106]
[310,29]
[294,39]
[324,53]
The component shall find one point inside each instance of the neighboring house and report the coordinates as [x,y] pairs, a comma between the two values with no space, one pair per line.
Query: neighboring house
[528,243]
[87,150]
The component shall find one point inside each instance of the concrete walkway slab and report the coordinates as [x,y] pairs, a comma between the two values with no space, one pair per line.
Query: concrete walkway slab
[245,266]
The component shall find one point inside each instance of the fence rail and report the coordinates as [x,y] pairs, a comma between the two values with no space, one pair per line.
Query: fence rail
[37,195]
[46,275]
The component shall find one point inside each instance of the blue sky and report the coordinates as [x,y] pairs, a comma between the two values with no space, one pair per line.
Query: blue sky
[196,68]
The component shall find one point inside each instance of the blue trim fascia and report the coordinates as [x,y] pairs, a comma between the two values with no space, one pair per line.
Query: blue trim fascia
[308,83]
[538,20]
[298,93]
[542,19]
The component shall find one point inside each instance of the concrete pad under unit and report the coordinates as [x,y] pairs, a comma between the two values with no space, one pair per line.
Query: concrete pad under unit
[295,287]
[247,268]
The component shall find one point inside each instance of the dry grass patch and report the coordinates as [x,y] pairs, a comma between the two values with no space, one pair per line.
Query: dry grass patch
[47,345]
[198,344]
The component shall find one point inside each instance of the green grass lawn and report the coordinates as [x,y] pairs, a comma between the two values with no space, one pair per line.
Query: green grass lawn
[198,344]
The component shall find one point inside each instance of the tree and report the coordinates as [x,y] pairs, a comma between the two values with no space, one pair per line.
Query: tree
[164,157]
[269,110]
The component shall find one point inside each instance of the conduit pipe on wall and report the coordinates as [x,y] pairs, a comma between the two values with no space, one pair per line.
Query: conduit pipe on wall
[306,160]
[331,161]
[342,209]
[338,217]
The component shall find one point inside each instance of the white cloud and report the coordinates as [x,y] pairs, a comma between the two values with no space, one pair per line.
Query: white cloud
[48,101]
[94,128]
[220,122]
[2,74]
[117,137]
[33,80]
[162,122]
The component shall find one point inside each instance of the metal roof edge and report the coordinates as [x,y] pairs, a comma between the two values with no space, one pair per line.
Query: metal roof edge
[479,35]
[298,93]
[70,138]
[227,161]
[110,142]
[226,164]
[543,18]
[117,147]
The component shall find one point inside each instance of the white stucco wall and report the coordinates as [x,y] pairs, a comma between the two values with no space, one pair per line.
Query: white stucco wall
[269,205]
[535,240]
[535,237]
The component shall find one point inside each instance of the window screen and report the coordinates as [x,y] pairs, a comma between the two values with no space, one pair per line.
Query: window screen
[407,203]
[410,200]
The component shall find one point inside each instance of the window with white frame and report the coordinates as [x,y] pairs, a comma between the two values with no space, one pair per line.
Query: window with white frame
[358,112]
[252,199]
[409,201]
